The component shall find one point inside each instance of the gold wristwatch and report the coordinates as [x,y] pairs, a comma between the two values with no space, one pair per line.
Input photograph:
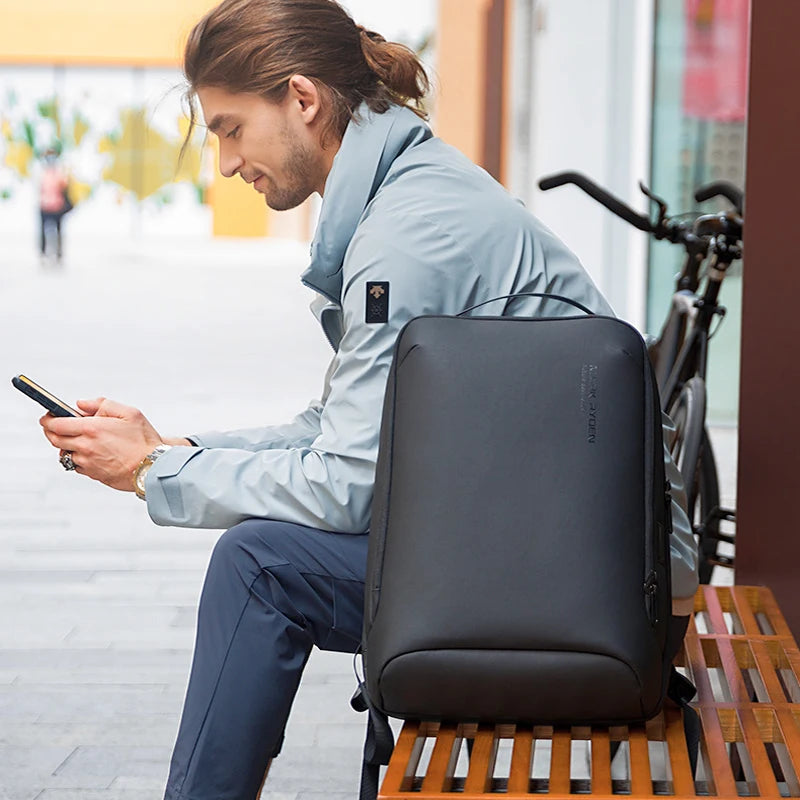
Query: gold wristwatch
[140,473]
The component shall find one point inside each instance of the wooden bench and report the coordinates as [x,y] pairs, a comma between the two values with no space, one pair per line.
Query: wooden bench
[739,653]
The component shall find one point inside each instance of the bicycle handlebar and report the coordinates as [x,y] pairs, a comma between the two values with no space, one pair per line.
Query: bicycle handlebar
[603,197]
[730,225]
[724,189]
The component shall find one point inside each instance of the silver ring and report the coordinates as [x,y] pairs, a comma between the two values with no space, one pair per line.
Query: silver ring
[67,462]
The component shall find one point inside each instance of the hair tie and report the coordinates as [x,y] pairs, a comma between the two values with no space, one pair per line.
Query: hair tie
[371,35]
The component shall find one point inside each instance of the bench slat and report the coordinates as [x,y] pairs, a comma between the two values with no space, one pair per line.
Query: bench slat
[641,783]
[481,762]
[680,767]
[439,776]
[560,763]
[519,778]
[601,762]
[765,777]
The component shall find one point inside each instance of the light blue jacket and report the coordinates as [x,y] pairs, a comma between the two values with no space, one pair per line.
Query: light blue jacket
[401,207]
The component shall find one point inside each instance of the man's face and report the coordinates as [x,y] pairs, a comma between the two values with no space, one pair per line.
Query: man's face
[265,143]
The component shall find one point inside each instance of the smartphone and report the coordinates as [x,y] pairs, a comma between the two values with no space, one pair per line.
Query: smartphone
[58,408]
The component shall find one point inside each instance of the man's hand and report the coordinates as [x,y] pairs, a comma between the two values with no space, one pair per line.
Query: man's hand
[107,444]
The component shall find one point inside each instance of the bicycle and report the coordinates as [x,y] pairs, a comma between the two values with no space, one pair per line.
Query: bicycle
[680,353]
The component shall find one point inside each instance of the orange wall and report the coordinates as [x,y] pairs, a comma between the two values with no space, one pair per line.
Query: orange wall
[148,32]
[474,45]
[461,70]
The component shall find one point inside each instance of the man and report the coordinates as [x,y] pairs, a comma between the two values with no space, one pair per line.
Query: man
[303,100]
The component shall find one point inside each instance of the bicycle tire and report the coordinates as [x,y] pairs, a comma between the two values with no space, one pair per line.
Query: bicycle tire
[703,511]
[688,413]
[693,454]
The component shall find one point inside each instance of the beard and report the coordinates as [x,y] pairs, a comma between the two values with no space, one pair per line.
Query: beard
[298,169]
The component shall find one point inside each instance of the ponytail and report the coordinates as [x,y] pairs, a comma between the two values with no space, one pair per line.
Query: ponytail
[397,67]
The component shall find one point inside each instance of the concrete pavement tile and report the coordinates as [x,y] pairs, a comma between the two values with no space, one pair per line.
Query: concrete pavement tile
[122,732]
[19,792]
[40,760]
[268,794]
[61,704]
[325,796]
[184,618]
[349,734]
[70,658]
[110,763]
[151,785]
[172,677]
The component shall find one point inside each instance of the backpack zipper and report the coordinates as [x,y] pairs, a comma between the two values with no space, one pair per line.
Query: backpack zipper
[650,597]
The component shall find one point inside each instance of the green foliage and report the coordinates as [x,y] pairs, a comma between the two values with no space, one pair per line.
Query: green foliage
[28,134]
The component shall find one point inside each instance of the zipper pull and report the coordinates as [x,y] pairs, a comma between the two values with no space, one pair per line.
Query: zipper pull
[650,592]
[668,499]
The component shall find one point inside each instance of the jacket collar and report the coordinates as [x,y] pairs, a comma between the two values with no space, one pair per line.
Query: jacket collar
[370,145]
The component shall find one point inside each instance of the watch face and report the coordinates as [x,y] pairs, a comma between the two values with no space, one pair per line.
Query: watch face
[141,474]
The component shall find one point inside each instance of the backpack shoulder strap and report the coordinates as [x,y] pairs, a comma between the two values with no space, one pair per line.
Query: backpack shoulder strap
[378,745]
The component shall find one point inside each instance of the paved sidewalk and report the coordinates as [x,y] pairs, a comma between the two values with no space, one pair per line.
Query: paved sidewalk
[98,604]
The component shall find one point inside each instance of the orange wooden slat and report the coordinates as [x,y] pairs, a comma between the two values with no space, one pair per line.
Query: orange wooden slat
[790,730]
[765,777]
[439,775]
[745,611]
[680,766]
[773,612]
[716,753]
[767,671]
[559,764]
[601,761]
[698,670]
[405,758]
[481,762]
[733,674]
[715,613]
[519,778]
[641,779]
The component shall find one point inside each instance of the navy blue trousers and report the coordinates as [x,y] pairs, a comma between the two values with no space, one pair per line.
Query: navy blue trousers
[272,591]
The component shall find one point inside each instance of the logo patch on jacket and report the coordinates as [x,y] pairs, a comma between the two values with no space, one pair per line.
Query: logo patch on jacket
[377,302]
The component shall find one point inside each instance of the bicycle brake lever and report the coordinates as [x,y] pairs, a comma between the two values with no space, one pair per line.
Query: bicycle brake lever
[662,206]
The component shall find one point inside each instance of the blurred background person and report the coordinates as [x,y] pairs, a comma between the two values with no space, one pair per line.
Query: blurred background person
[54,203]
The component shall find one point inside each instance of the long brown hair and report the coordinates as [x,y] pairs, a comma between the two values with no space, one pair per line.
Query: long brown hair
[255,46]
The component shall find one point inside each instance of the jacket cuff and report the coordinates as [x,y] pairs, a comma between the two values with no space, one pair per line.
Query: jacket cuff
[162,486]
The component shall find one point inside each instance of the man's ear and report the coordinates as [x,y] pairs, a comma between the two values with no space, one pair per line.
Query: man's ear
[305,97]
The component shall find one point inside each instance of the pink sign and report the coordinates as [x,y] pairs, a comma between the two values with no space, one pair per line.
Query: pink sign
[715,72]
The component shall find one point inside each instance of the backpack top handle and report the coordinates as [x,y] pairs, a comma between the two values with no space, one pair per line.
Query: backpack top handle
[529,294]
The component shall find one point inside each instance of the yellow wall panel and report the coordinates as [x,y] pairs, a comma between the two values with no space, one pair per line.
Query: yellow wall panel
[147,32]
[239,210]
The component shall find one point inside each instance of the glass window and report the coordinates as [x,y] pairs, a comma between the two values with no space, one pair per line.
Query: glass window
[699,103]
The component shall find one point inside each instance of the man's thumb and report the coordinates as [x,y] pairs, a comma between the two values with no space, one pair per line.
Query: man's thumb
[103,407]
[90,407]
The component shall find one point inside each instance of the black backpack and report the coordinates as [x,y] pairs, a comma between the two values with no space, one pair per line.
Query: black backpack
[518,566]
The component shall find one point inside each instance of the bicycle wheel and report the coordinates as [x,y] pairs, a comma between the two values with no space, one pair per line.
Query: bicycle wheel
[688,413]
[704,512]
